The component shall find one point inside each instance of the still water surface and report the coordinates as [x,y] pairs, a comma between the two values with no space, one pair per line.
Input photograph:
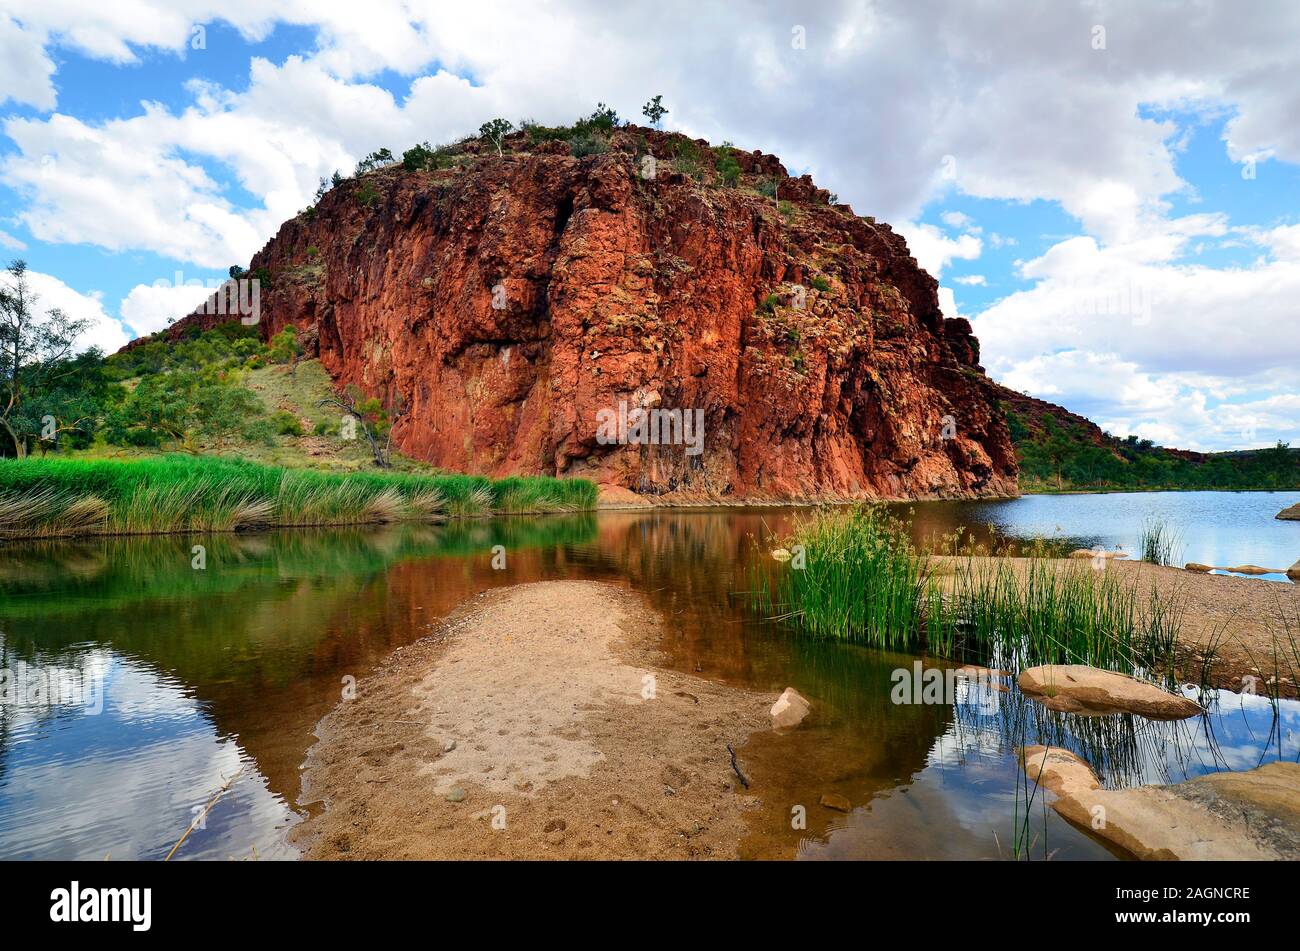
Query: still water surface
[172,680]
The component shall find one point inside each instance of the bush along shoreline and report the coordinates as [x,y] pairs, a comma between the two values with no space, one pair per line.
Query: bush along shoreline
[50,498]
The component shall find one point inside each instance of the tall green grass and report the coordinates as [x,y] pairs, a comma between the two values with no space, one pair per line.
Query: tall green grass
[1158,542]
[1041,611]
[60,497]
[865,582]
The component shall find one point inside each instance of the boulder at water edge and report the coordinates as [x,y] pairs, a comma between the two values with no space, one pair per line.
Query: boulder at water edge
[789,710]
[1076,688]
[1291,513]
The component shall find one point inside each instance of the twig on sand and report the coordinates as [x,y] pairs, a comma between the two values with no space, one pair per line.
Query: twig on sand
[743,781]
[203,815]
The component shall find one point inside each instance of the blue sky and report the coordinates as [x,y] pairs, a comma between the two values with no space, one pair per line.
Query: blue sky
[1083,204]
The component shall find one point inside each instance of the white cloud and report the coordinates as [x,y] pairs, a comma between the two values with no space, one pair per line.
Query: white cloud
[959,221]
[933,249]
[1129,336]
[948,303]
[149,308]
[1162,315]
[971,280]
[26,70]
[104,332]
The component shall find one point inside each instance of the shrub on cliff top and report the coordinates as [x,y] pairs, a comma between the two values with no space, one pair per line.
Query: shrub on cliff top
[728,169]
[581,146]
[376,159]
[420,157]
[686,157]
[601,122]
[538,134]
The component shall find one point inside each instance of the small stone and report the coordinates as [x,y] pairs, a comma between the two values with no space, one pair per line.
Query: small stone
[456,795]
[789,709]
[836,802]
[1197,566]
[449,746]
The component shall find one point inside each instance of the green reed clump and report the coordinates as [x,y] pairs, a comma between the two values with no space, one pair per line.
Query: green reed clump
[1038,611]
[1158,542]
[59,497]
[864,581]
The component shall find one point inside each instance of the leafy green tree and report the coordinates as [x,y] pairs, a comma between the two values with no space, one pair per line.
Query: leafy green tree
[67,408]
[495,131]
[36,359]
[420,156]
[285,347]
[604,120]
[187,407]
[376,159]
[654,111]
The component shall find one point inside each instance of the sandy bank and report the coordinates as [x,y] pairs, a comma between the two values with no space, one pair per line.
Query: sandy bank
[533,724]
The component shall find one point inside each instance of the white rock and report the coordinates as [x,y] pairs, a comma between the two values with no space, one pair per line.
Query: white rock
[789,710]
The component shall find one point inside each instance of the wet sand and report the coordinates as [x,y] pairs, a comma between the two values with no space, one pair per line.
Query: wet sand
[533,724]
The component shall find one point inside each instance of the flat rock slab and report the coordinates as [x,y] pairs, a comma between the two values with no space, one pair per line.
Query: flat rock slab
[1077,688]
[1253,815]
[1291,513]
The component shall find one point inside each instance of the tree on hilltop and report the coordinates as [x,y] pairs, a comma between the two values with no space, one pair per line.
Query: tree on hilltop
[495,132]
[654,111]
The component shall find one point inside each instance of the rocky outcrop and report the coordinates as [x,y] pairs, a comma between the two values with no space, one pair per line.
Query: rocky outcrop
[522,309]
[1290,513]
[1076,688]
[1249,815]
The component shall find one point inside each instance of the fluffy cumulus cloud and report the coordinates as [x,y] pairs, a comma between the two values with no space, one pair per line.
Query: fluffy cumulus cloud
[104,331]
[896,106]
[151,307]
[1141,343]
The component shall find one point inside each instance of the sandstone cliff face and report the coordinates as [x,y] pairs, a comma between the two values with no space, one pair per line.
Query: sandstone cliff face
[514,302]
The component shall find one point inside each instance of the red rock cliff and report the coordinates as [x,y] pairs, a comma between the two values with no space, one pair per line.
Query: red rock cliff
[509,300]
